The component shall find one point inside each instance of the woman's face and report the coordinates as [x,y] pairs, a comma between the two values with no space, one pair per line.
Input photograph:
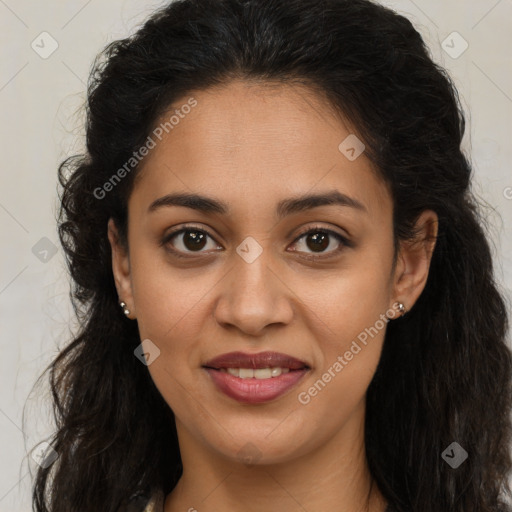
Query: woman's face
[242,278]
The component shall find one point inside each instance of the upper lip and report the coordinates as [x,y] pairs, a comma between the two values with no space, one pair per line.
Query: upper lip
[255,361]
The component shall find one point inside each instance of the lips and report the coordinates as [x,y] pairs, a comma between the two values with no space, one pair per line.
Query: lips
[255,361]
[265,385]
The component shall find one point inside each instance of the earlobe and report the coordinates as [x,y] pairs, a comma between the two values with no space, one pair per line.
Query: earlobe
[121,270]
[414,260]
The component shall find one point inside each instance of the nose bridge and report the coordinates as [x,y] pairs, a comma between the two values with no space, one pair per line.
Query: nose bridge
[253,296]
[251,273]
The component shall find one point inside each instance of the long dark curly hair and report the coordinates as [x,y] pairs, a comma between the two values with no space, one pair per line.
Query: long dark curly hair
[445,370]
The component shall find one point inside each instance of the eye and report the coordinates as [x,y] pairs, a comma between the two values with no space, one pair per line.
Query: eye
[188,240]
[318,240]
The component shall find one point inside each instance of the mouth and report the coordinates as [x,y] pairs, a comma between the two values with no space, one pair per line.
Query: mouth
[255,378]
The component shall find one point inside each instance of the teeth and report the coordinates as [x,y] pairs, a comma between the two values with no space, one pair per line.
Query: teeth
[260,373]
[263,373]
[246,373]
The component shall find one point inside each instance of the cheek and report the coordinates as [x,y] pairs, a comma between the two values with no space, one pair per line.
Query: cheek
[171,311]
[168,298]
[347,317]
[344,302]
[348,356]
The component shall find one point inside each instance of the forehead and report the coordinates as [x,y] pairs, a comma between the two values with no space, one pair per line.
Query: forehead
[259,142]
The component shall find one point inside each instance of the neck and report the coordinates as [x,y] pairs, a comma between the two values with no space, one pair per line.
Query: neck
[315,481]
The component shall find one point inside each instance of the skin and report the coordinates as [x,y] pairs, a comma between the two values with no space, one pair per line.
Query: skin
[251,145]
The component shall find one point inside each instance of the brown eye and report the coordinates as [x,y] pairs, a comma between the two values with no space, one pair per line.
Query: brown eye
[317,242]
[189,240]
[194,240]
[320,240]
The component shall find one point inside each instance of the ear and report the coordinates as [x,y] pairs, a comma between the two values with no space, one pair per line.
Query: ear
[121,268]
[413,262]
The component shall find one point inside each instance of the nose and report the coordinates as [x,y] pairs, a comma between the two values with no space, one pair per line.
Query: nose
[253,297]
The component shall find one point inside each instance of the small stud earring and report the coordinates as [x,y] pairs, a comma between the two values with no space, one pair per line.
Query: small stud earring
[402,309]
[126,311]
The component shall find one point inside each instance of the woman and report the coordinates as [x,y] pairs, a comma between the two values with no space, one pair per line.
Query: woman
[285,291]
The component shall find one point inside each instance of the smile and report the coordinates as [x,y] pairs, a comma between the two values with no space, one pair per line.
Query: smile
[255,378]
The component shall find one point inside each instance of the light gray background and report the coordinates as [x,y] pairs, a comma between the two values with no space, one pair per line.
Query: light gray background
[42,122]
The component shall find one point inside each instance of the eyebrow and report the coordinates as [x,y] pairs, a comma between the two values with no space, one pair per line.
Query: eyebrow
[284,207]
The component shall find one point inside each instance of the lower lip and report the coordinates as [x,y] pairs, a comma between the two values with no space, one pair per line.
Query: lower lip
[255,391]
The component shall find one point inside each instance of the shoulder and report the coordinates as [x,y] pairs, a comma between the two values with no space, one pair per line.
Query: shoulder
[152,502]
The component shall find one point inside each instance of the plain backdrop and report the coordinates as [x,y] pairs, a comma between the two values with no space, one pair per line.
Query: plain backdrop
[47,49]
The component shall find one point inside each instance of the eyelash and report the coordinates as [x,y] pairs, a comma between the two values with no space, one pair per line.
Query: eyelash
[344,242]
